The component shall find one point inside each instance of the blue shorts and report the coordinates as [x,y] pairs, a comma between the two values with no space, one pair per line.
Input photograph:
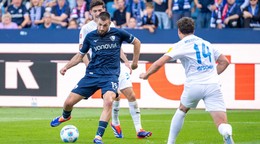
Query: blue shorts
[87,86]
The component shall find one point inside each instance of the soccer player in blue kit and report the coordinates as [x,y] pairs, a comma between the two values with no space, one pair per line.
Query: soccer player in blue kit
[102,72]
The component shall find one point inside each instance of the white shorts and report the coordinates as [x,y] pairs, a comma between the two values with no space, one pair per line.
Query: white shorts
[210,93]
[124,77]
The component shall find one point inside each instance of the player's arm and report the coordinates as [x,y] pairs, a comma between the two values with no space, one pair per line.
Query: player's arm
[222,63]
[76,59]
[137,45]
[155,67]
[124,58]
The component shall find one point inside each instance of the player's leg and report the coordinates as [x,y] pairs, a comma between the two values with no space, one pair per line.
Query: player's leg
[225,129]
[108,98]
[84,89]
[135,112]
[71,100]
[177,123]
[189,99]
[115,122]
[214,103]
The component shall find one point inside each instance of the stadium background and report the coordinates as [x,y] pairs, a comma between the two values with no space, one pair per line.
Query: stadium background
[30,61]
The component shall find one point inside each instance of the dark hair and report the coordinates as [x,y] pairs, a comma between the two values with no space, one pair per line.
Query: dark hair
[104,16]
[94,3]
[149,5]
[186,25]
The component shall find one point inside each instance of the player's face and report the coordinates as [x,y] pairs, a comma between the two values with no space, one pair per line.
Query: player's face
[103,26]
[95,11]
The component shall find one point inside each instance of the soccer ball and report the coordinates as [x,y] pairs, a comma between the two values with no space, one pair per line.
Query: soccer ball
[69,134]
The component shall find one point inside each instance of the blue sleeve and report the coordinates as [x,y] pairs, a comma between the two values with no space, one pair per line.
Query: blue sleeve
[238,10]
[25,11]
[143,5]
[67,11]
[129,38]
[86,46]
[129,6]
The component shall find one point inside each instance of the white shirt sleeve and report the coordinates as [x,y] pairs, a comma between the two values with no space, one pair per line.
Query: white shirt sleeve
[82,34]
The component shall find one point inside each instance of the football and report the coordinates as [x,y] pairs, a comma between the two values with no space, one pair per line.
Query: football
[69,134]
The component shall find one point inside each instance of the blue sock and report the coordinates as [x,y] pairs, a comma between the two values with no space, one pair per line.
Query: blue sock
[66,114]
[101,128]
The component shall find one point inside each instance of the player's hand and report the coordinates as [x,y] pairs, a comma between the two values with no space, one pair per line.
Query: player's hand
[134,66]
[63,71]
[128,65]
[143,76]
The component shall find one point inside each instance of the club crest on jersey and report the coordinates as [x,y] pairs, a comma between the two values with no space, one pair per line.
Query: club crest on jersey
[112,38]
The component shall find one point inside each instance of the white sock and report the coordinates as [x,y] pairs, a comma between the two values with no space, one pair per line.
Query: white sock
[135,113]
[225,129]
[115,113]
[176,125]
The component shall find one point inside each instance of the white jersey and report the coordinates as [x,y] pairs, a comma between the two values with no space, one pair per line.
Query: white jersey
[198,58]
[124,78]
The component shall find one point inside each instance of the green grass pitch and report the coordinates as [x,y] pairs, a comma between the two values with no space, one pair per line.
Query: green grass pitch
[32,126]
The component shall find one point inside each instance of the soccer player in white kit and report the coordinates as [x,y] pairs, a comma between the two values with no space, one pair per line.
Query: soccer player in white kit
[198,58]
[125,84]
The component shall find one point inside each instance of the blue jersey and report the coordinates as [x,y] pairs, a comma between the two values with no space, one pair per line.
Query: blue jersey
[105,58]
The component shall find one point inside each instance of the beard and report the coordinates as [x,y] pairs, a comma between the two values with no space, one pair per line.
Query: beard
[102,33]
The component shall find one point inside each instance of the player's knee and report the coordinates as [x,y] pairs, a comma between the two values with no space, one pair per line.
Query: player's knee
[108,103]
[183,108]
[131,98]
[130,95]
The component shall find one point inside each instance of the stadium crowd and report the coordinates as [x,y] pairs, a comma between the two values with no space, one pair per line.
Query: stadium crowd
[130,14]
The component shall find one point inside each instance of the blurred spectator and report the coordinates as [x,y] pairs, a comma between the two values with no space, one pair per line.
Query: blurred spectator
[216,14]
[4,4]
[135,9]
[36,12]
[251,15]
[48,4]
[47,24]
[7,22]
[119,17]
[194,11]
[19,14]
[228,16]
[205,8]
[163,10]
[110,6]
[60,14]
[242,4]
[181,8]
[132,24]
[72,3]
[73,24]
[150,20]
[80,12]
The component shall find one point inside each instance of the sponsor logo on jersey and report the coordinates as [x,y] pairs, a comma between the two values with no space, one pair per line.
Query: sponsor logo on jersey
[105,46]
[204,67]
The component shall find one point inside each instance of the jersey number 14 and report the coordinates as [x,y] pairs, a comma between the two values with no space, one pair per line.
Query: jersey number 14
[205,52]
